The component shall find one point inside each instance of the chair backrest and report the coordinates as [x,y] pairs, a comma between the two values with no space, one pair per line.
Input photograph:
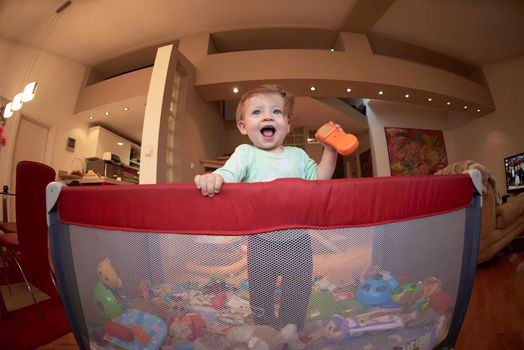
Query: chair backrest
[31,224]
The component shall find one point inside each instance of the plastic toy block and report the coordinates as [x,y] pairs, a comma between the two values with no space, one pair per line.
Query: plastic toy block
[344,143]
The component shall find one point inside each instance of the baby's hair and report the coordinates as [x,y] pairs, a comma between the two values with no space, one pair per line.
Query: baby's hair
[265,90]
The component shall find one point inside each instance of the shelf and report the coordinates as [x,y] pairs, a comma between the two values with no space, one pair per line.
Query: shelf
[296,138]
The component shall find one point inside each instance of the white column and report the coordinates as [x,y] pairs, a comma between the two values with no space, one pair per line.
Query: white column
[152,156]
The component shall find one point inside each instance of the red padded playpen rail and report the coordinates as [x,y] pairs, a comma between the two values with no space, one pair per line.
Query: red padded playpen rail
[242,208]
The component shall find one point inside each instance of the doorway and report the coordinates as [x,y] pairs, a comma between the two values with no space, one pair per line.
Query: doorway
[30,144]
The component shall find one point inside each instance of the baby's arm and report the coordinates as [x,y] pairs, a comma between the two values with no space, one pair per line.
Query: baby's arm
[209,184]
[326,167]
[328,162]
[232,171]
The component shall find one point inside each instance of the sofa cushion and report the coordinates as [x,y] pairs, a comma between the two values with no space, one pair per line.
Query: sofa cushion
[509,211]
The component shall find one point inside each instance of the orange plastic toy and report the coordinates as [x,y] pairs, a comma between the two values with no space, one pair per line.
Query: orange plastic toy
[344,143]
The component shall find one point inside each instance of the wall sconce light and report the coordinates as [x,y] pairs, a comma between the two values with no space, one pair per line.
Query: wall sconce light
[29,91]
[8,112]
[16,105]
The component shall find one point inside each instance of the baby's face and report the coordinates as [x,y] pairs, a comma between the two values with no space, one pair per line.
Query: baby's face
[264,122]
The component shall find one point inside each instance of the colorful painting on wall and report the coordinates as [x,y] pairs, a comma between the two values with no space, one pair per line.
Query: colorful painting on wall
[415,151]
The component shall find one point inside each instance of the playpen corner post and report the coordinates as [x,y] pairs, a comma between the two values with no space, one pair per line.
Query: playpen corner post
[61,254]
[469,263]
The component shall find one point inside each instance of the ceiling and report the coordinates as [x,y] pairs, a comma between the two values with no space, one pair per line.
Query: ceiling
[471,33]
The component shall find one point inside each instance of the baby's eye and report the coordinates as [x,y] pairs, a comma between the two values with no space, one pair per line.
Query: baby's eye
[256,112]
[277,111]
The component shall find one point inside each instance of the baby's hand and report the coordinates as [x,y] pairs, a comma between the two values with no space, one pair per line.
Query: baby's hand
[327,145]
[334,139]
[209,184]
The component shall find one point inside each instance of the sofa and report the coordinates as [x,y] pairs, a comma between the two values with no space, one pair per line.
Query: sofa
[500,222]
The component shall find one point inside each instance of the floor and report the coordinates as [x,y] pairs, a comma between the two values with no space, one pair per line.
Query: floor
[19,297]
[495,318]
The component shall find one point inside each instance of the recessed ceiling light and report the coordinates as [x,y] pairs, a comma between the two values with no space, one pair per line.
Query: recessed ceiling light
[348,90]
[91,118]
[478,110]
[430,99]
[120,143]
[332,50]
[448,103]
[126,108]
[465,107]
[381,92]
[235,90]
[312,88]
[406,95]
[107,113]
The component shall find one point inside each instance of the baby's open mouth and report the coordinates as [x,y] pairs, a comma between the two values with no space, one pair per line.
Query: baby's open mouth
[268,131]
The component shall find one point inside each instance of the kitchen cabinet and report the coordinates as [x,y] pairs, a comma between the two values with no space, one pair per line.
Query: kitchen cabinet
[100,140]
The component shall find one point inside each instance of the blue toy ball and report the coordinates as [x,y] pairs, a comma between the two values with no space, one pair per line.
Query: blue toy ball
[244,285]
[374,291]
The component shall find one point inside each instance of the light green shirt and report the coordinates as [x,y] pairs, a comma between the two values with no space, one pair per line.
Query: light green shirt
[250,164]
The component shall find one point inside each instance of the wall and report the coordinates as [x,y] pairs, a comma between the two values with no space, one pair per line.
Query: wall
[59,81]
[330,72]
[118,88]
[499,134]
[203,135]
[385,114]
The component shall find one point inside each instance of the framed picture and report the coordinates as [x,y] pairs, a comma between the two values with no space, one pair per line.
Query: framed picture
[70,145]
[415,151]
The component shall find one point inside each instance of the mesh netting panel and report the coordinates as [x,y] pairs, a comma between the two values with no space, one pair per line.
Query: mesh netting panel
[380,286]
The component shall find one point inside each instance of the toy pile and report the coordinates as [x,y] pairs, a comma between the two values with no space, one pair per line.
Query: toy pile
[377,310]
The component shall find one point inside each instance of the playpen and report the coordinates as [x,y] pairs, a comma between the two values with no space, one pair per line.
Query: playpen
[375,263]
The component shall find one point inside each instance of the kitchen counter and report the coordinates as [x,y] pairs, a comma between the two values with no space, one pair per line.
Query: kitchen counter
[95,181]
[210,165]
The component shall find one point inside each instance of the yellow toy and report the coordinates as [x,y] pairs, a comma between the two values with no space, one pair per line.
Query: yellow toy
[108,275]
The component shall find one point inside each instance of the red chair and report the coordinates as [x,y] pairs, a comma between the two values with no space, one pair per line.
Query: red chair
[7,226]
[28,246]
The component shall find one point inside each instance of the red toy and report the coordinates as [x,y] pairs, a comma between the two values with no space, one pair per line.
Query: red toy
[119,331]
[198,326]
[345,144]
[140,333]
[219,300]
[440,302]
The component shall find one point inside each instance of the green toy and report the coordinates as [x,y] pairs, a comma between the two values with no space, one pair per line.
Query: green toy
[408,293]
[105,302]
[322,305]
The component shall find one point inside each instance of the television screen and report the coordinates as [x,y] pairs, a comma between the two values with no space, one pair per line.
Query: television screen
[514,167]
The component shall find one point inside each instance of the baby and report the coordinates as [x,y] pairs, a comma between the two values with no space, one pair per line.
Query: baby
[264,115]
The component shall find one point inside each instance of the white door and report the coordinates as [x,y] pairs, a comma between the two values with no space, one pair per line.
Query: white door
[30,144]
